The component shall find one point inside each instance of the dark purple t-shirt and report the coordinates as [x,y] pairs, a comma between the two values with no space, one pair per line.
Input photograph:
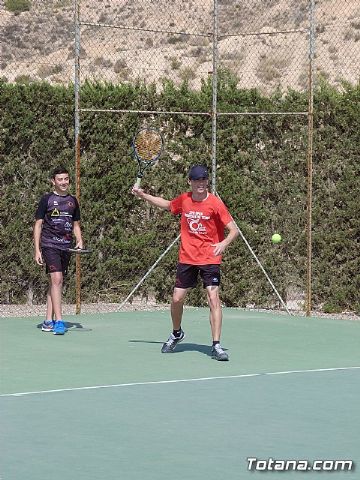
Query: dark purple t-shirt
[59,214]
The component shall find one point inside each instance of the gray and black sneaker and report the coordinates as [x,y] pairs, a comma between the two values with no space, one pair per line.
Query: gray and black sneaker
[48,325]
[218,353]
[170,345]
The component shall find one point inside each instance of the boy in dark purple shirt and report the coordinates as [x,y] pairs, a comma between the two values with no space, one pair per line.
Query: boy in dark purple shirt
[57,218]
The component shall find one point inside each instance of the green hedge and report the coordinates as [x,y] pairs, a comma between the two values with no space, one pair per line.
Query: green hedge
[17,6]
[261,176]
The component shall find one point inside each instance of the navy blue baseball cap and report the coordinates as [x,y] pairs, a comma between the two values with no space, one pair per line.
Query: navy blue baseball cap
[198,171]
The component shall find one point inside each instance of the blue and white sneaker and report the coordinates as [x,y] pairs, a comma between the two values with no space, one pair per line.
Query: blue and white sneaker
[48,326]
[59,328]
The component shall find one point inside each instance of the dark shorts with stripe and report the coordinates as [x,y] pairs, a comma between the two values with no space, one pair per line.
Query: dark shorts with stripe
[56,260]
[187,275]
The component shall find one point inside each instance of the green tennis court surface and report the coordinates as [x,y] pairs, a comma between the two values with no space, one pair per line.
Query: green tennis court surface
[102,402]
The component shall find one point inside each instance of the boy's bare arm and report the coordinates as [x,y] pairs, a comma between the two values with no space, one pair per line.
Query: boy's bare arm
[156,201]
[37,234]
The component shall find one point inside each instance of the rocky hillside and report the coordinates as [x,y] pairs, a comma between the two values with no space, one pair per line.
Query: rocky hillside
[265,43]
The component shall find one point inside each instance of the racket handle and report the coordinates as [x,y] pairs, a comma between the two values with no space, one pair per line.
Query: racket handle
[138,181]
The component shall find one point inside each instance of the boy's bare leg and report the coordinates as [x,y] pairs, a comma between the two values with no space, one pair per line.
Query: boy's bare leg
[49,307]
[217,351]
[215,312]
[177,307]
[56,284]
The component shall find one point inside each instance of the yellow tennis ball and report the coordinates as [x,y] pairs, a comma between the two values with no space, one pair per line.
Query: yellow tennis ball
[276,238]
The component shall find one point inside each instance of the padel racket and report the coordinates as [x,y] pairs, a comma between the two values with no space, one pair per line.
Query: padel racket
[147,146]
[80,250]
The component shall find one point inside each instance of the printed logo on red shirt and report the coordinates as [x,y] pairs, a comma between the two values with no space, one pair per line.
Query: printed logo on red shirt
[194,222]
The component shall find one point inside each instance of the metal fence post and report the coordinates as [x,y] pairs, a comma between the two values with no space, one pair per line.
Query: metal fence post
[214,96]
[310,157]
[77,138]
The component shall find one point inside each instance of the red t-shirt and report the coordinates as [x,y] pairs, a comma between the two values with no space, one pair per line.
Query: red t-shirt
[202,224]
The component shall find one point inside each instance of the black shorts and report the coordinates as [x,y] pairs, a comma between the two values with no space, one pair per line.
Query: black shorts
[187,275]
[56,260]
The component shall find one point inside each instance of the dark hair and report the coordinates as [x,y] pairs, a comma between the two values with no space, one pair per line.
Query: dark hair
[58,171]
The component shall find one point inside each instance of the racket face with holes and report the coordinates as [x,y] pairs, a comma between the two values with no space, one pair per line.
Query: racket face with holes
[147,146]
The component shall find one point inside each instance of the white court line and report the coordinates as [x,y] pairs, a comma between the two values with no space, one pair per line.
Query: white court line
[184,380]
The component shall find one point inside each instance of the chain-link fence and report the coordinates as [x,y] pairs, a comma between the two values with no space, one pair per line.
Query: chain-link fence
[272,47]
[264,43]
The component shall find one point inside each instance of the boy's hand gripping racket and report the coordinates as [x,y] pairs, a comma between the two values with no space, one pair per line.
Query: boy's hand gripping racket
[147,146]
[80,250]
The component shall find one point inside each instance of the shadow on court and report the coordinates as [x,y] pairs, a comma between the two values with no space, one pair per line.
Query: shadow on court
[71,327]
[182,347]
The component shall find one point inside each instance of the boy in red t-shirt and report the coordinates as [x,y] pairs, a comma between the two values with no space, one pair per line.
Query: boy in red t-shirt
[203,220]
